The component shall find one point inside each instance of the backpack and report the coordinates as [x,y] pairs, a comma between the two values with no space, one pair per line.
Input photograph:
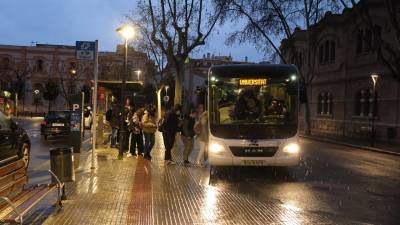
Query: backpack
[108,115]
[161,125]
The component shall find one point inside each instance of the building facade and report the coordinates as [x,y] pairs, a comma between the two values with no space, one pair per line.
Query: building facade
[342,98]
[37,65]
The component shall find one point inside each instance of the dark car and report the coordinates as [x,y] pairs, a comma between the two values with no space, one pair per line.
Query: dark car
[14,142]
[56,123]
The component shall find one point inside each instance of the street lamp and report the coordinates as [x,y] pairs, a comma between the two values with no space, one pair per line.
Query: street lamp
[374,78]
[127,32]
[73,71]
[36,92]
[166,90]
[138,74]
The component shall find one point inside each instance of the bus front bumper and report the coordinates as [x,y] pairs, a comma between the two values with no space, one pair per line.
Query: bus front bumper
[281,160]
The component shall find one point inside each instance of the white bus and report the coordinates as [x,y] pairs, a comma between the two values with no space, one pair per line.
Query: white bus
[253,115]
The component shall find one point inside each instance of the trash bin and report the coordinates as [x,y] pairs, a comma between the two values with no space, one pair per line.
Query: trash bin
[62,164]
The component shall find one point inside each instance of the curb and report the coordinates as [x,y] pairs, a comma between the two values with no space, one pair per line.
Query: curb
[367,148]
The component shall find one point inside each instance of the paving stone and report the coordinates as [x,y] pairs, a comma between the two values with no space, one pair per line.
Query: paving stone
[138,191]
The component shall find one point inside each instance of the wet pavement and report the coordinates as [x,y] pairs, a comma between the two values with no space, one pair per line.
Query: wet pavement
[333,185]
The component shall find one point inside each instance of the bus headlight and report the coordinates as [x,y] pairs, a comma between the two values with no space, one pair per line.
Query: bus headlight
[215,148]
[292,148]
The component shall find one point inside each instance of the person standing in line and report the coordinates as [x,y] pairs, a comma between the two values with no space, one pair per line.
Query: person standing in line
[137,136]
[170,127]
[149,127]
[114,123]
[201,129]
[127,114]
[188,134]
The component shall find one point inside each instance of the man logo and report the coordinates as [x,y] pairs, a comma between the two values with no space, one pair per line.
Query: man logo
[253,143]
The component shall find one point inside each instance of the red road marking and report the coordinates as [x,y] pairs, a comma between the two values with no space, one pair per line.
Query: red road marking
[139,209]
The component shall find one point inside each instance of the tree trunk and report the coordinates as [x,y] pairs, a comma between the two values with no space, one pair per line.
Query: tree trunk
[307,122]
[178,84]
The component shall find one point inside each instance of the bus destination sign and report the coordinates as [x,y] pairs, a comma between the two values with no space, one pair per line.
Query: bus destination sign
[252,82]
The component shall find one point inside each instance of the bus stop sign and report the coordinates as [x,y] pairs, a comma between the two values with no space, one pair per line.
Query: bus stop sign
[85,50]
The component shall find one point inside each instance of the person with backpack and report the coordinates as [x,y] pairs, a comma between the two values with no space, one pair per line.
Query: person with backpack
[149,128]
[136,131]
[170,127]
[187,134]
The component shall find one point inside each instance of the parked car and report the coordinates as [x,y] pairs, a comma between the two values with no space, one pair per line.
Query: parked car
[88,118]
[14,142]
[56,123]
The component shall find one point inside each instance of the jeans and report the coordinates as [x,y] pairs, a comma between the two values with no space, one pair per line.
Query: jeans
[188,147]
[114,133]
[149,140]
[136,143]
[169,139]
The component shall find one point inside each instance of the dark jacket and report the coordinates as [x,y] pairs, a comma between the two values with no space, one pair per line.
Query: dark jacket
[171,123]
[115,117]
[188,126]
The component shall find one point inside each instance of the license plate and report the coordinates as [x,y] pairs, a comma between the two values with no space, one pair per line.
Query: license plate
[254,162]
[57,124]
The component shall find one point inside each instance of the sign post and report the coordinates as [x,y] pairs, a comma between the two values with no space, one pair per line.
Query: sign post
[88,50]
[94,126]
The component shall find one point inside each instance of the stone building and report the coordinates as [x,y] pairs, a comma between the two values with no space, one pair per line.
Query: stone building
[39,64]
[341,95]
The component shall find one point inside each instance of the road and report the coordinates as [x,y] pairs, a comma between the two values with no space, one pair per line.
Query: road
[341,183]
[40,155]
[333,180]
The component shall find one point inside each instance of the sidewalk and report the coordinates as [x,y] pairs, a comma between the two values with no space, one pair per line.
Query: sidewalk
[137,191]
[382,147]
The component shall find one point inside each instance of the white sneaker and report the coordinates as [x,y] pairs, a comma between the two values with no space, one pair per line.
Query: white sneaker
[128,155]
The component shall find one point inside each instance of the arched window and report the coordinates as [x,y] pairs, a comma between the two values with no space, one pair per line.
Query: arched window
[367,39]
[366,103]
[327,52]
[325,103]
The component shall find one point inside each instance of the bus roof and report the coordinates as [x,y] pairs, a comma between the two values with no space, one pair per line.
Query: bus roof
[254,69]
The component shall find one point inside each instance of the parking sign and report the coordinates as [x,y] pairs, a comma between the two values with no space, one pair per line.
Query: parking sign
[84,50]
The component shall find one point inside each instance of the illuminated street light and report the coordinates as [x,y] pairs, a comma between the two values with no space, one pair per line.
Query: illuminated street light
[127,32]
[374,78]
[73,71]
[36,92]
[166,90]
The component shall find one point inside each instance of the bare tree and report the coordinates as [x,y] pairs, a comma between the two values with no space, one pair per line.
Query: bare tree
[12,76]
[277,20]
[387,47]
[177,28]
[68,80]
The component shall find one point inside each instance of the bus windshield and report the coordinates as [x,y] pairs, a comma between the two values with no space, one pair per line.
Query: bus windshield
[253,106]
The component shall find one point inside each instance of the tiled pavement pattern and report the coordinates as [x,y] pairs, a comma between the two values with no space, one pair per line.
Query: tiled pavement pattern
[136,191]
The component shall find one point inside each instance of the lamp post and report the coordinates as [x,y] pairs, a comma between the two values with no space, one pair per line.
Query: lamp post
[127,32]
[374,78]
[36,92]
[138,74]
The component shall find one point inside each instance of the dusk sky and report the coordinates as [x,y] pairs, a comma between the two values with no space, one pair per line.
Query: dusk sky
[64,22]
